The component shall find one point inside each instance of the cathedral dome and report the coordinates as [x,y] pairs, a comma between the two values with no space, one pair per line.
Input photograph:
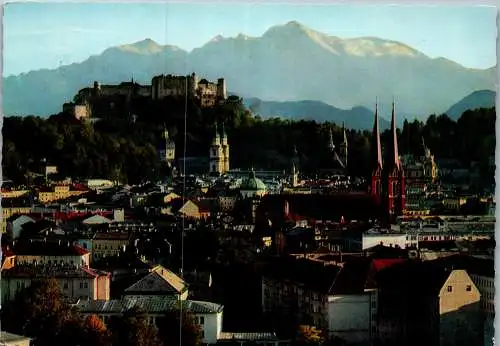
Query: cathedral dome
[252,183]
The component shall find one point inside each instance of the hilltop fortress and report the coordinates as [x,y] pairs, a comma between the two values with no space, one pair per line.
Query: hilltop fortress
[204,92]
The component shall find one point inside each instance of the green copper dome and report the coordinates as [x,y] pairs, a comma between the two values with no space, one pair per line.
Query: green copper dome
[252,183]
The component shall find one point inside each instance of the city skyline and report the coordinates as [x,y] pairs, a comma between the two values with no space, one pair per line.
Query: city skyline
[464,34]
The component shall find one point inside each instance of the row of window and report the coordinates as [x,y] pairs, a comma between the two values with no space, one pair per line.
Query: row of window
[199,320]
[83,285]
[55,262]
[105,247]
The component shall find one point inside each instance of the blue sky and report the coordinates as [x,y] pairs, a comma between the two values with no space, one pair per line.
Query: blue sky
[45,35]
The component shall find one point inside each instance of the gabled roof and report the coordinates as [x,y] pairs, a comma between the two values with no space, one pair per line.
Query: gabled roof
[96,219]
[24,218]
[314,275]
[412,277]
[155,283]
[473,265]
[352,277]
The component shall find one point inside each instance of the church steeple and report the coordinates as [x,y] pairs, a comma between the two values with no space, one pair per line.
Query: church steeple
[376,145]
[392,160]
[376,179]
[223,135]
[343,146]
[331,146]
[394,180]
[216,139]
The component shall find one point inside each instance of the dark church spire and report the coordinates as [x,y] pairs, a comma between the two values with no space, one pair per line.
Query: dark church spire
[331,146]
[376,146]
[392,160]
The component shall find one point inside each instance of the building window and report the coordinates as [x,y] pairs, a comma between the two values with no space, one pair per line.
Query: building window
[450,289]
[81,284]
[202,334]
[202,320]
[85,285]
[65,285]
[468,288]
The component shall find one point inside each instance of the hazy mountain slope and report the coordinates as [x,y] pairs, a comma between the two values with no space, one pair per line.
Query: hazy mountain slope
[478,99]
[43,92]
[288,63]
[358,117]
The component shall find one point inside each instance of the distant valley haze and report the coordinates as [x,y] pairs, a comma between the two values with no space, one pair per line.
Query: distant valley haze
[288,62]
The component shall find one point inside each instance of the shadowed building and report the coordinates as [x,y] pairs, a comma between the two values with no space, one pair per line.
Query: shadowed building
[428,304]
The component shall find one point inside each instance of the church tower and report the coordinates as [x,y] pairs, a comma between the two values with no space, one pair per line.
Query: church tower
[167,153]
[394,191]
[331,146]
[225,151]
[376,179]
[295,175]
[343,147]
[216,154]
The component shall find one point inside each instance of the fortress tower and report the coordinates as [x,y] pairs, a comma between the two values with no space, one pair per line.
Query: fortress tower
[221,89]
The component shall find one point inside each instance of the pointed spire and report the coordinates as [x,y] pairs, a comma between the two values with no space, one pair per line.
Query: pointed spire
[394,154]
[216,140]
[344,133]
[377,146]
[331,146]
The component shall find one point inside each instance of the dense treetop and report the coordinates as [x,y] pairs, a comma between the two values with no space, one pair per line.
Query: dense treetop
[119,148]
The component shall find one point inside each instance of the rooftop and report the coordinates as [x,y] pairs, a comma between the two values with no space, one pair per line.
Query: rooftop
[55,271]
[38,248]
[155,283]
[112,236]
[9,338]
[148,304]
[248,336]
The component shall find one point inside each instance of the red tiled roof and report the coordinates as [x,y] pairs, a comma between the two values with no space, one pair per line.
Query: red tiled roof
[68,216]
[80,250]
[379,264]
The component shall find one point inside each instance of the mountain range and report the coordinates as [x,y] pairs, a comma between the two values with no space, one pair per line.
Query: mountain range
[360,118]
[289,62]
[357,118]
[478,99]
